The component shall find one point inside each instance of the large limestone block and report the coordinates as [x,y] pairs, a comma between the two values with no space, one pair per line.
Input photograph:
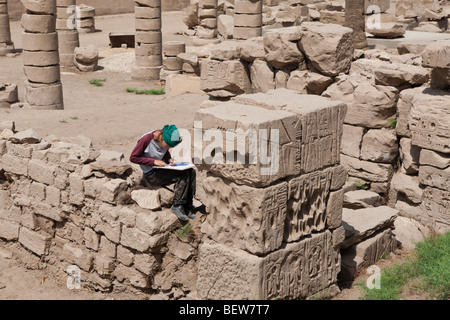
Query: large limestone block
[408,186]
[299,270]
[224,78]
[435,205]
[262,76]
[251,49]
[414,8]
[308,82]
[321,122]
[282,50]
[379,145]
[251,219]
[352,137]
[400,75]
[435,177]
[409,156]
[369,105]
[40,6]
[429,120]
[267,144]
[365,222]
[435,159]
[437,55]
[367,170]
[404,109]
[334,54]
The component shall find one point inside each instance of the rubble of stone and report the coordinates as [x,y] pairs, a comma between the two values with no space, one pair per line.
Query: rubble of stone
[70,204]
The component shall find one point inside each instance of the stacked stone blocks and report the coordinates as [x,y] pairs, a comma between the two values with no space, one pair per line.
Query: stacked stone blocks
[6,44]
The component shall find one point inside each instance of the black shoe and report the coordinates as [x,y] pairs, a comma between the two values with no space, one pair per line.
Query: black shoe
[188,211]
[179,212]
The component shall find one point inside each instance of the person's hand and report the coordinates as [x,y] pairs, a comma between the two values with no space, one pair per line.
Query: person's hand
[160,163]
[172,163]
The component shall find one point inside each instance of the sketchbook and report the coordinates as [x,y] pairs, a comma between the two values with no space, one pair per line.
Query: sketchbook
[179,166]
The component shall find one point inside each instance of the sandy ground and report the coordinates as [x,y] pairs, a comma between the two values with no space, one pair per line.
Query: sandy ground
[111,117]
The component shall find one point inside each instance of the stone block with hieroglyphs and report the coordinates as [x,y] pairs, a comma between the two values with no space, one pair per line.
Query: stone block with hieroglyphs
[436,207]
[429,120]
[250,145]
[296,271]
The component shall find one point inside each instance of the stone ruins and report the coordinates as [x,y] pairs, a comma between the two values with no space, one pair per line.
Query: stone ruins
[359,165]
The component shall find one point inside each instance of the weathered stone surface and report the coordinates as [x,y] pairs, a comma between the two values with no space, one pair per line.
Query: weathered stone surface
[369,105]
[354,18]
[281,51]
[307,82]
[147,199]
[435,177]
[400,75]
[409,156]
[366,170]
[270,160]
[334,55]
[251,219]
[251,49]
[404,109]
[387,30]
[408,186]
[262,76]
[352,138]
[379,145]
[366,222]
[37,241]
[318,137]
[310,265]
[429,120]
[366,252]
[435,159]
[437,55]
[409,232]
[435,205]
[26,136]
[354,198]
[228,76]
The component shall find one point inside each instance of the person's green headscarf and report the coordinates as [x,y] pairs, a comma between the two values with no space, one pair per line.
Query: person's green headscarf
[171,135]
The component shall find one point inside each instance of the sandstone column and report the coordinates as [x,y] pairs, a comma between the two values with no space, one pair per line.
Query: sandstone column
[43,87]
[6,45]
[66,26]
[247,19]
[148,40]
[207,29]
[355,19]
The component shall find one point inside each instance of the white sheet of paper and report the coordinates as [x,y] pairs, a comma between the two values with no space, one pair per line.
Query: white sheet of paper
[179,166]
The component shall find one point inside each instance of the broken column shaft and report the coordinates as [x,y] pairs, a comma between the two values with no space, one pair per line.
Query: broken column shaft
[247,19]
[66,26]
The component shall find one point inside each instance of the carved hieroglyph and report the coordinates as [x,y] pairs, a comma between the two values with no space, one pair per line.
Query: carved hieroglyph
[436,205]
[296,271]
[429,120]
[321,121]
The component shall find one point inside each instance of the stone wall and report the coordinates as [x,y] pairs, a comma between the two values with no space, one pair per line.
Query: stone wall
[69,204]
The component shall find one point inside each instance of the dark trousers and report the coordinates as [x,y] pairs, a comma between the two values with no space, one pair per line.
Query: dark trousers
[185,183]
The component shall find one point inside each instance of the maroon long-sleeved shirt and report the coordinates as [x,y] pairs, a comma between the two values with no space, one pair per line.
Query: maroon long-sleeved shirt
[138,155]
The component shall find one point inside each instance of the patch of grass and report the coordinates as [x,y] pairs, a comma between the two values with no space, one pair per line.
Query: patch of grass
[183,231]
[147,92]
[392,123]
[63,121]
[97,82]
[361,185]
[74,118]
[428,271]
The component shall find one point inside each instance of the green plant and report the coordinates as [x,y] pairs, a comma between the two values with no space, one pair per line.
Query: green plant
[74,118]
[63,121]
[361,185]
[392,123]
[147,92]
[183,231]
[97,82]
